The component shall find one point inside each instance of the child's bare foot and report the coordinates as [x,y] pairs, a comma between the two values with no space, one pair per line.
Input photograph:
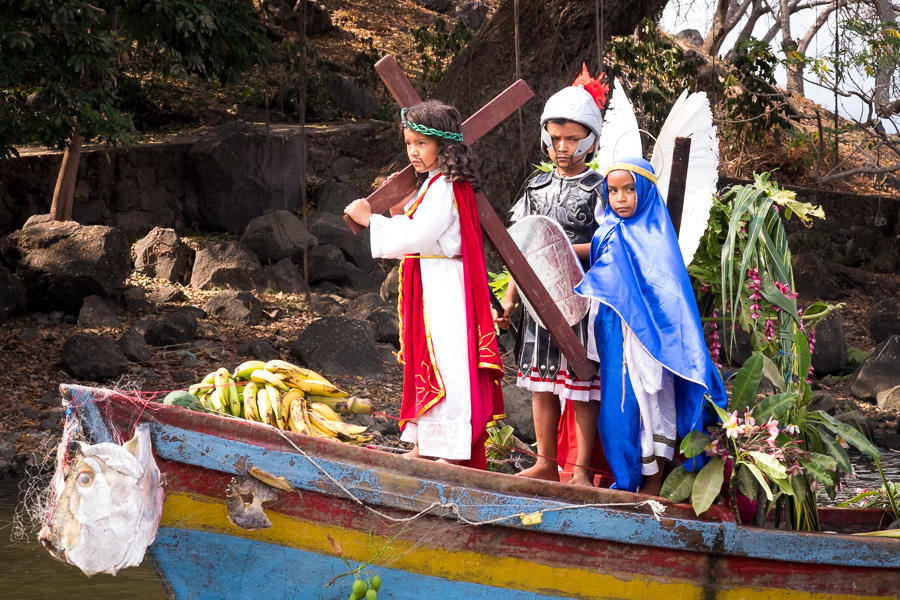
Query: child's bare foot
[414,453]
[582,477]
[546,470]
[445,461]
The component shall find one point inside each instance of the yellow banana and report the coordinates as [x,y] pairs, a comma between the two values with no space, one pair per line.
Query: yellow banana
[318,424]
[321,424]
[351,405]
[266,378]
[298,418]
[286,401]
[335,426]
[316,387]
[281,366]
[325,411]
[264,407]
[243,371]
[251,410]
[277,409]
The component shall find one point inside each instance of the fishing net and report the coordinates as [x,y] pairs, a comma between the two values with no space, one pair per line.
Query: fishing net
[40,486]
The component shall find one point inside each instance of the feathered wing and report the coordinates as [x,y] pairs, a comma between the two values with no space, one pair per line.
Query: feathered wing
[619,137]
[691,116]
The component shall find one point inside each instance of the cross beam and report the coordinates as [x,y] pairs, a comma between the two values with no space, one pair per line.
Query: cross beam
[401,186]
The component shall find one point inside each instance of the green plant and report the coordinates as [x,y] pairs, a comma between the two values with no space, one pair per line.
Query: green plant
[654,72]
[437,46]
[499,282]
[499,447]
[776,448]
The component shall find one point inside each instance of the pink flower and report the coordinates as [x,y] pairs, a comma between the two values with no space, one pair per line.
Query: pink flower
[841,442]
[814,485]
[712,448]
[769,330]
[791,429]
[794,469]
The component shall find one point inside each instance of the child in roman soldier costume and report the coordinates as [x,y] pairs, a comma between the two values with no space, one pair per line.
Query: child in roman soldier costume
[569,194]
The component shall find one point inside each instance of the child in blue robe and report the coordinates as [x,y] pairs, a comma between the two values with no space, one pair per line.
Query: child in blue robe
[656,372]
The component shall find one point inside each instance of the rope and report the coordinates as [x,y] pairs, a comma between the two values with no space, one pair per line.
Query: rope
[656,508]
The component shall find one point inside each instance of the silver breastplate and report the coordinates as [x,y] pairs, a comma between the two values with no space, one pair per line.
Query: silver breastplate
[569,202]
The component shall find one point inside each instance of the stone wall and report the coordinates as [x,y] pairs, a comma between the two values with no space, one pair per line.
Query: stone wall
[162,184]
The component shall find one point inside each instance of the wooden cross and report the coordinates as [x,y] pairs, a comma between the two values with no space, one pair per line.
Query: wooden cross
[405,183]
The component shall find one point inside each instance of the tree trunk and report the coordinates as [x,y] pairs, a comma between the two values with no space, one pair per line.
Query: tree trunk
[716,34]
[793,68]
[556,37]
[885,71]
[64,193]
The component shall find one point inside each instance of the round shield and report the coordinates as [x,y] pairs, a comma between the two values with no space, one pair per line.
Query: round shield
[552,257]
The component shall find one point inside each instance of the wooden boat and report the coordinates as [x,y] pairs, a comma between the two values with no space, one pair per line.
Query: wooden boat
[443,531]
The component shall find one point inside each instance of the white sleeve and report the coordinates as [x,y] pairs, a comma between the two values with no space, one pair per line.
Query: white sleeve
[398,235]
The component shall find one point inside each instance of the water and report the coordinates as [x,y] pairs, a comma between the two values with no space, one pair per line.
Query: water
[28,572]
[867,472]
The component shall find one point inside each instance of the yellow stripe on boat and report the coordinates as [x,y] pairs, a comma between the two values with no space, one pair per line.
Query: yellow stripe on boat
[203,513]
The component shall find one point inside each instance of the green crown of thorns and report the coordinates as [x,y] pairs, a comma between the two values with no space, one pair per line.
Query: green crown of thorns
[449,135]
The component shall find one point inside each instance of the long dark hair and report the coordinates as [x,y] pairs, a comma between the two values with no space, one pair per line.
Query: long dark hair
[457,162]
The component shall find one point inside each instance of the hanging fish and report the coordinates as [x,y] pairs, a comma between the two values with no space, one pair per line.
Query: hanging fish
[107,505]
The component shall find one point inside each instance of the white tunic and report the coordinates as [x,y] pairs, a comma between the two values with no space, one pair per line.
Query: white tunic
[445,431]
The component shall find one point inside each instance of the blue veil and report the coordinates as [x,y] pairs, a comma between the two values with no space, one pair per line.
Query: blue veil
[637,271]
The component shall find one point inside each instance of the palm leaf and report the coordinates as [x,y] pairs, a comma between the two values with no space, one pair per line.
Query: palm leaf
[774,406]
[850,434]
[835,450]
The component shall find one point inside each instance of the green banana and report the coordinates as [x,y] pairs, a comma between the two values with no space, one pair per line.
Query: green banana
[227,392]
[215,404]
[351,405]
[205,385]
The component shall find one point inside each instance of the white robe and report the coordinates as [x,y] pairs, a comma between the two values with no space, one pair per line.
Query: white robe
[654,388]
[445,431]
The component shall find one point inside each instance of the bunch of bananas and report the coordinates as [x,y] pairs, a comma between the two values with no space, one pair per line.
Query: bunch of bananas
[285,396]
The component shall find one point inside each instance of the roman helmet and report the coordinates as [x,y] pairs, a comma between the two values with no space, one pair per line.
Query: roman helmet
[581,103]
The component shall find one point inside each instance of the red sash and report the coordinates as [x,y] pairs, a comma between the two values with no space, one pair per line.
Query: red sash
[423,387]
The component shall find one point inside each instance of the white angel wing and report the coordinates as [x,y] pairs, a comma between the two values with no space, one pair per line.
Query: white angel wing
[691,116]
[619,137]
